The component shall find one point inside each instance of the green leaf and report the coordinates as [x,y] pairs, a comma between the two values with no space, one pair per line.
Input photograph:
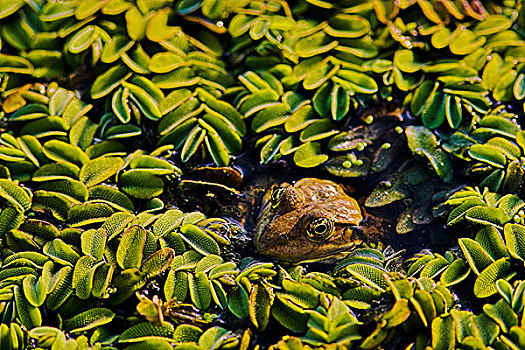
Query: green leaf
[465,42]
[109,80]
[193,140]
[488,154]
[15,195]
[62,151]
[502,314]
[515,239]
[28,112]
[136,23]
[165,62]
[217,149]
[309,155]
[15,64]
[200,293]
[453,110]
[186,333]
[491,240]
[147,104]
[319,74]
[137,60]
[28,314]
[269,117]
[176,285]
[407,61]
[492,24]
[88,213]
[433,113]
[88,320]
[347,26]
[120,106]
[141,184]
[100,169]
[88,8]
[46,127]
[147,331]
[83,276]
[305,115]
[318,130]
[59,286]
[443,333]
[455,273]
[34,290]
[82,39]
[130,248]
[199,240]
[157,262]
[122,131]
[314,44]
[8,7]
[157,29]
[420,139]
[82,132]
[261,300]
[93,243]
[485,284]
[114,49]
[56,11]
[226,112]
[477,257]
[71,190]
[487,216]
[519,87]
[177,78]
[356,81]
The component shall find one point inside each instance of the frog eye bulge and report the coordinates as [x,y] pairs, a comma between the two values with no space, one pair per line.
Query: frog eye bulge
[320,229]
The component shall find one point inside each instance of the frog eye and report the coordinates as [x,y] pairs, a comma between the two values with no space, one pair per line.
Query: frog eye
[320,229]
[277,195]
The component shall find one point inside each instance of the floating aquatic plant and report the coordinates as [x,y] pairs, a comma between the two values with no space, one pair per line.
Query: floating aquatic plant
[103,100]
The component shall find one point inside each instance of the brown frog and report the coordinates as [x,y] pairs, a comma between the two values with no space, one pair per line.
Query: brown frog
[309,221]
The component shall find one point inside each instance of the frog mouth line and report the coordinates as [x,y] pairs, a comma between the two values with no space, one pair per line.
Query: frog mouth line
[335,254]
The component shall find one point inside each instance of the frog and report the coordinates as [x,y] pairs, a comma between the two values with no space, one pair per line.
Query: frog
[308,221]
